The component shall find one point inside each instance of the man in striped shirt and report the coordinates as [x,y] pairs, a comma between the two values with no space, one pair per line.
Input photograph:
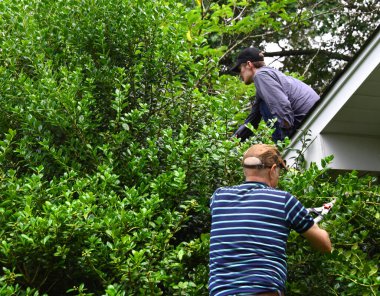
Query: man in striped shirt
[250,227]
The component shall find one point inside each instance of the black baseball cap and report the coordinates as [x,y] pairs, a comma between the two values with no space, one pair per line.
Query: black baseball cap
[251,54]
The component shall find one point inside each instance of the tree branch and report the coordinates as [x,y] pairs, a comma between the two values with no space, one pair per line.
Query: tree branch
[312,51]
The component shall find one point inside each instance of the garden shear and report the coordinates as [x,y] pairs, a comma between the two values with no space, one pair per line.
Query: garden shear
[321,211]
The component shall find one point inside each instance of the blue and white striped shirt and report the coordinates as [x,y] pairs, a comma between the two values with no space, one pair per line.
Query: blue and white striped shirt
[249,230]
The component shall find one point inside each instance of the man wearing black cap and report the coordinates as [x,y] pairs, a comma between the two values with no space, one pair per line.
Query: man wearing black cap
[280,97]
[250,225]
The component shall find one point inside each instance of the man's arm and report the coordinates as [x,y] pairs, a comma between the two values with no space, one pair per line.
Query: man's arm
[253,118]
[318,238]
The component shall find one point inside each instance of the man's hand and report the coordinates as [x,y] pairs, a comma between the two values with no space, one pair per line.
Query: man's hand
[286,124]
[243,133]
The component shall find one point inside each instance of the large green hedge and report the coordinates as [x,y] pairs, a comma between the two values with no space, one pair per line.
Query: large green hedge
[115,129]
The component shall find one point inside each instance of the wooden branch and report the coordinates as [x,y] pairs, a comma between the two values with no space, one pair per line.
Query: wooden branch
[311,52]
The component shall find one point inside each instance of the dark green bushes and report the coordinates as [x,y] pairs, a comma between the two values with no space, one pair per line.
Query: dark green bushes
[352,268]
[108,153]
[114,131]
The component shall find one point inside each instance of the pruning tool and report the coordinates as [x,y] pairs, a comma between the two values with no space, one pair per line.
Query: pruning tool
[321,211]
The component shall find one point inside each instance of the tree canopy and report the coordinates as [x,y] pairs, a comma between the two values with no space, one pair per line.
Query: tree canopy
[315,39]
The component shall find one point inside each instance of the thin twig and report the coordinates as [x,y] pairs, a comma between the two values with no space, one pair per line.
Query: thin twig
[308,65]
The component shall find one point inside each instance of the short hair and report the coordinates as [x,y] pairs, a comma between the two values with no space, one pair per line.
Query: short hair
[262,156]
[259,64]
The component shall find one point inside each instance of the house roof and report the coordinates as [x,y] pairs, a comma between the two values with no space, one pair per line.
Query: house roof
[346,122]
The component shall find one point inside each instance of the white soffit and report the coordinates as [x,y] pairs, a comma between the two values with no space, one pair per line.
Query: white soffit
[352,152]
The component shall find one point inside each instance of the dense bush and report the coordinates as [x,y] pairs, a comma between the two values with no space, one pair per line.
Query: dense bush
[109,149]
[114,131]
[352,268]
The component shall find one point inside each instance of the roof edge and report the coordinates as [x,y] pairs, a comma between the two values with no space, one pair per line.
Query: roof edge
[335,85]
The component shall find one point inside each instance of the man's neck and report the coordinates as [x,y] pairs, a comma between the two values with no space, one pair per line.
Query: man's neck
[257,179]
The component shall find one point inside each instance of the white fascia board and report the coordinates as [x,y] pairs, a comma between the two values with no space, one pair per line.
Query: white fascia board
[337,96]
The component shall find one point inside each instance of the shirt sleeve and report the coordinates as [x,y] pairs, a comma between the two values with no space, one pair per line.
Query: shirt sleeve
[297,217]
[273,94]
[253,118]
[213,198]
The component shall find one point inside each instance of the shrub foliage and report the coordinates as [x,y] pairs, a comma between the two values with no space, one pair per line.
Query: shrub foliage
[115,129]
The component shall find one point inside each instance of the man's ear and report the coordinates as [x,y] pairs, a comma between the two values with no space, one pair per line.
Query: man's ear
[250,64]
[273,172]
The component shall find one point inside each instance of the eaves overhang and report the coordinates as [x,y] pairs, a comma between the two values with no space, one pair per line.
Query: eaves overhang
[346,122]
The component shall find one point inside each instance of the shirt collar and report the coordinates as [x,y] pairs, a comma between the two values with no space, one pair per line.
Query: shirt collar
[258,184]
